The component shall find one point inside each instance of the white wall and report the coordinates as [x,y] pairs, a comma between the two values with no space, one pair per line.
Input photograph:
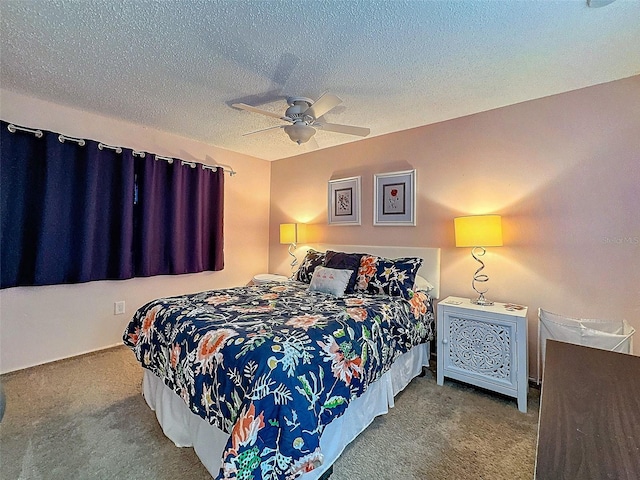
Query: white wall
[42,324]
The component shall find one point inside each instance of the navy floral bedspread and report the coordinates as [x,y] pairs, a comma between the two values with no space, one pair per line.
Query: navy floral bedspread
[273,364]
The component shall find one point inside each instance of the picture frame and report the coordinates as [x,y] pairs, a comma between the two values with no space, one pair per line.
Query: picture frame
[394,198]
[344,201]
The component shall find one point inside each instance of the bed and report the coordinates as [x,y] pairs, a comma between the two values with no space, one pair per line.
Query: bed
[272,381]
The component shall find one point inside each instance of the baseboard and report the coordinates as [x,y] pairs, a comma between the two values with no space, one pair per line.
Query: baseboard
[61,359]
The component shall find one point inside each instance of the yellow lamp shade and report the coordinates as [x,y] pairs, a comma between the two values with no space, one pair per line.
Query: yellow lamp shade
[478,231]
[288,233]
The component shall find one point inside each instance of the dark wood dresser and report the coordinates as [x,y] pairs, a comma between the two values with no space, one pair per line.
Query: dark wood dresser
[589,425]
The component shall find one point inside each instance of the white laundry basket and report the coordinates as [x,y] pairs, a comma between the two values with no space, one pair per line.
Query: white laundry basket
[613,335]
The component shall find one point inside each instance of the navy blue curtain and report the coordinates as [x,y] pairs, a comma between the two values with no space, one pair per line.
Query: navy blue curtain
[69,213]
[179,227]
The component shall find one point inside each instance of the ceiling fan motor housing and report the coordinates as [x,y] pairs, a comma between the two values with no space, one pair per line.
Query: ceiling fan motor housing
[299,105]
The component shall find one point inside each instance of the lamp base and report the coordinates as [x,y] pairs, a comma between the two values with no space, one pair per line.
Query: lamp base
[475,253]
[294,262]
[483,302]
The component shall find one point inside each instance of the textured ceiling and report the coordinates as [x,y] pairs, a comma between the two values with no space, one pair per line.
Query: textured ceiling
[179,65]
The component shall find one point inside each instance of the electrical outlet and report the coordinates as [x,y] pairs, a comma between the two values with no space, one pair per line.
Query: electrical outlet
[118,308]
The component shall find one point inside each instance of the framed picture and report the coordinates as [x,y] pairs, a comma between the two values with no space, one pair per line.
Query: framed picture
[344,201]
[394,198]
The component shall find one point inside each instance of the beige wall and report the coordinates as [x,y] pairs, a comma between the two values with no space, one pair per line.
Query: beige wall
[563,171]
[41,324]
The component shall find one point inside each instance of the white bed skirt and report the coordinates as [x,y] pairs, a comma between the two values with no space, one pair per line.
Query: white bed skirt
[186,429]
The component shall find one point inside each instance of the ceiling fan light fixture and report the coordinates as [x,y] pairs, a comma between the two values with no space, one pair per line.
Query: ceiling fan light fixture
[299,132]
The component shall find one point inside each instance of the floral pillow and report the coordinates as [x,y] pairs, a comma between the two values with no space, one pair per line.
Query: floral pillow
[311,260]
[344,261]
[383,276]
[366,271]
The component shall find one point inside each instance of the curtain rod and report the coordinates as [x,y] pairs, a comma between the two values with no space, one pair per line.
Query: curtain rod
[13,128]
[225,168]
[38,133]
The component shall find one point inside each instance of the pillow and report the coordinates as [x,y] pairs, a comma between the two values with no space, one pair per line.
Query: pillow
[422,284]
[311,260]
[330,280]
[396,278]
[344,261]
[366,271]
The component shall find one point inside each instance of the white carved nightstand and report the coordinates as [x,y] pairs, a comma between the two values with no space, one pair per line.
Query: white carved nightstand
[484,346]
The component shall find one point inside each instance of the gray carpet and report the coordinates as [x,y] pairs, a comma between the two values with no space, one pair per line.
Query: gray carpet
[85,418]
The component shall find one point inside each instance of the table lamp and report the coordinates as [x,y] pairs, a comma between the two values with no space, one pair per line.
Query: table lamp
[478,232]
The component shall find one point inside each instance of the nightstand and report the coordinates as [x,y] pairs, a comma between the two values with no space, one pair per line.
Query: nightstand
[262,278]
[485,346]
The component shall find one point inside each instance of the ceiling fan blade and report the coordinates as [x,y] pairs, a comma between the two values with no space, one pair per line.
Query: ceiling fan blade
[326,102]
[313,143]
[263,130]
[249,108]
[348,129]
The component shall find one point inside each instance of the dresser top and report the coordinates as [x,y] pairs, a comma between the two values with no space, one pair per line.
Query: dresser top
[589,414]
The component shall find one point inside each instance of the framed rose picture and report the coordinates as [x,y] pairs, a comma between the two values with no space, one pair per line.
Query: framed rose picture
[394,198]
[344,201]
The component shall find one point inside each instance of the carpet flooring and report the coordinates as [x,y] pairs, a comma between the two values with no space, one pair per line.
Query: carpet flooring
[85,418]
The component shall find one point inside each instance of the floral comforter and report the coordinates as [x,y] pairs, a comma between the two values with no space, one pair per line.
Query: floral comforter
[273,364]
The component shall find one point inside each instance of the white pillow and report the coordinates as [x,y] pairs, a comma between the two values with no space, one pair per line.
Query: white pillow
[422,283]
[330,280]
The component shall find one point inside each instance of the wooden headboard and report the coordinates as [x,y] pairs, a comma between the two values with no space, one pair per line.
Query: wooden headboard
[430,268]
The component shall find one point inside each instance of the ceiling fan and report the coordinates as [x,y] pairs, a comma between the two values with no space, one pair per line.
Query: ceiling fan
[303,115]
